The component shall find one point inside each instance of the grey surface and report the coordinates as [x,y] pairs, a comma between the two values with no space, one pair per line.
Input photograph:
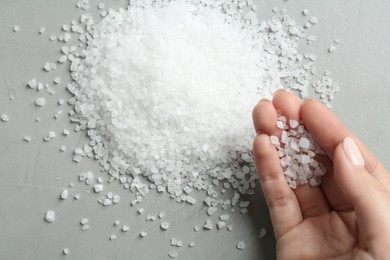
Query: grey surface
[32,175]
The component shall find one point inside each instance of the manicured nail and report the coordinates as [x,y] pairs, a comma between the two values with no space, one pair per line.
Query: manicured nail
[279,91]
[307,100]
[352,152]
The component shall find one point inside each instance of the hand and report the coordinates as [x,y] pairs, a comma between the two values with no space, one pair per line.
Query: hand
[348,215]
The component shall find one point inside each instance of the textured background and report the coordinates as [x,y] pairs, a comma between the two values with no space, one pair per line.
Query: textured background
[33,174]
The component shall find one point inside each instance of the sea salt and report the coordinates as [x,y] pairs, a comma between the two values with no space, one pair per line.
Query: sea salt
[164,225]
[50,216]
[27,138]
[296,152]
[40,102]
[241,245]
[4,118]
[64,194]
[208,225]
[180,146]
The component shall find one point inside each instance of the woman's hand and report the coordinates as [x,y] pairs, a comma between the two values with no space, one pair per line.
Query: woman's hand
[348,215]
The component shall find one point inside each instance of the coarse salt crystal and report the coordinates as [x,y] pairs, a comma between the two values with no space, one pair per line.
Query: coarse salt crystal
[50,216]
[240,245]
[40,102]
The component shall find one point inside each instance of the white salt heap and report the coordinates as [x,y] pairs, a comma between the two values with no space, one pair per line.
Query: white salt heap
[297,150]
[166,90]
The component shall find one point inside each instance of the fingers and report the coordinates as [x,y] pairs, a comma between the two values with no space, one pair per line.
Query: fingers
[369,197]
[328,131]
[287,104]
[282,203]
[311,199]
[264,118]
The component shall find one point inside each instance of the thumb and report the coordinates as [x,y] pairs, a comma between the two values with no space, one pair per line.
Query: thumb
[365,193]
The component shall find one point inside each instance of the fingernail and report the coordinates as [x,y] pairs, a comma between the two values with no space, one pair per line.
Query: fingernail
[265,100]
[352,152]
[279,90]
[307,100]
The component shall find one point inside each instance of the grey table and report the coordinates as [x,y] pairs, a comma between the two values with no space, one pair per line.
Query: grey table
[33,174]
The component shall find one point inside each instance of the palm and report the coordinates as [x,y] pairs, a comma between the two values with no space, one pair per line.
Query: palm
[321,237]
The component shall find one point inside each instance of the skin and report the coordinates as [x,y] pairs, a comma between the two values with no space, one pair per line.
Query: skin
[348,215]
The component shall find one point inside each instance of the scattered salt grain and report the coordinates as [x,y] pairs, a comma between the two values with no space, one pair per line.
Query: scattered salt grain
[173,254]
[244,211]
[66,251]
[57,80]
[164,225]
[263,232]
[143,234]
[32,84]
[224,217]
[16,28]
[332,48]
[221,224]
[241,245]
[64,194]
[42,30]
[313,20]
[305,12]
[150,217]
[85,227]
[113,237]
[107,202]
[65,132]
[116,199]
[191,244]
[211,211]
[161,214]
[50,216]
[65,27]
[116,223]
[173,241]
[47,66]
[208,225]
[98,188]
[27,138]
[84,221]
[40,102]
[4,118]
[62,59]
[125,228]
[51,135]
[57,114]
[77,196]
